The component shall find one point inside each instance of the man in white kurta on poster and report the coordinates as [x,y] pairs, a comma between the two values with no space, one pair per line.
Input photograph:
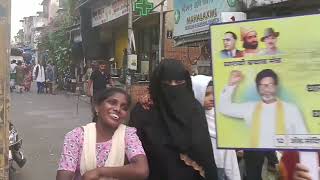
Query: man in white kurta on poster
[266,118]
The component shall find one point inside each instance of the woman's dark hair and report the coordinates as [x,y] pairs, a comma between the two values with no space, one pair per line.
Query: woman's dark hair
[266,73]
[166,69]
[102,95]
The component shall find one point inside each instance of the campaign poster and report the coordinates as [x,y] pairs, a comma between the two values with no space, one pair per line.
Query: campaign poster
[267,83]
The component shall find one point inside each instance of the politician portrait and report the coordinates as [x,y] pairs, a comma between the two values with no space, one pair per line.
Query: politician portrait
[267,117]
[270,40]
[229,44]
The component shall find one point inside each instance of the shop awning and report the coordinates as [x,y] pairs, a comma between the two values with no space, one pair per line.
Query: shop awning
[192,39]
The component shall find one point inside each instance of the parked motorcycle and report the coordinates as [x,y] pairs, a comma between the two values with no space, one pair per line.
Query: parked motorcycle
[15,151]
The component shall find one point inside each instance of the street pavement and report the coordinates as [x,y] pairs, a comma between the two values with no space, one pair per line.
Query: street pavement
[42,121]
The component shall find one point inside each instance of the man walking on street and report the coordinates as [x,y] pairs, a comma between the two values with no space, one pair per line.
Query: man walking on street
[39,76]
[99,80]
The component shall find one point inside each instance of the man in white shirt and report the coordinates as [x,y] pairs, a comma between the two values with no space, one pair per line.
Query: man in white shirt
[39,76]
[266,118]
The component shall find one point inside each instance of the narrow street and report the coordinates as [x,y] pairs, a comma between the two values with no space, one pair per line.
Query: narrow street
[42,121]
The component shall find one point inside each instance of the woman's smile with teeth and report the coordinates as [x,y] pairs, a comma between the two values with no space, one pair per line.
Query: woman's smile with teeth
[114,116]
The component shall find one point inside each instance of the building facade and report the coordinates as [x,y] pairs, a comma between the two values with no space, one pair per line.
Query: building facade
[189,24]
[104,30]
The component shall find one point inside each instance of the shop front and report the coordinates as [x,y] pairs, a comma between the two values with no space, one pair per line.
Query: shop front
[147,43]
[109,28]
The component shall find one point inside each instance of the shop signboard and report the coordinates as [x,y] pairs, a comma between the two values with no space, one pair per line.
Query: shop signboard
[194,16]
[113,9]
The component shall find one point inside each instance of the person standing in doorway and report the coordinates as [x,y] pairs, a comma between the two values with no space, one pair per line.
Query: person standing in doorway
[39,77]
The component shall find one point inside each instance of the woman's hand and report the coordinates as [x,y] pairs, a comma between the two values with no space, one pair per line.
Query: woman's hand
[301,173]
[137,169]
[91,175]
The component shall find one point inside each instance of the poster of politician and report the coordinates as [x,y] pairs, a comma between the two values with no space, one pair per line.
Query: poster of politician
[267,83]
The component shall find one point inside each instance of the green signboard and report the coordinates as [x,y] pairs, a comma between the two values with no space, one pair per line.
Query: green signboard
[143,7]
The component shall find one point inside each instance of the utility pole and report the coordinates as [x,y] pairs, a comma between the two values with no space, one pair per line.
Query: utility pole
[161,32]
[129,51]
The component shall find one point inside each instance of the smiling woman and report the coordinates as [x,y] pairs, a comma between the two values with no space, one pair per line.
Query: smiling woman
[99,150]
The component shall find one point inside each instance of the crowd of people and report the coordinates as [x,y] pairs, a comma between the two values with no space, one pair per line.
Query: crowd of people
[22,75]
[171,135]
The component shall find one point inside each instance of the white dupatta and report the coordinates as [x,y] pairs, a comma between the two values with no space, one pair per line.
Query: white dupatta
[116,156]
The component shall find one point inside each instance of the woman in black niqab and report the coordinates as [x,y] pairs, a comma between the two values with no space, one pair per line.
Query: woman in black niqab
[174,126]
